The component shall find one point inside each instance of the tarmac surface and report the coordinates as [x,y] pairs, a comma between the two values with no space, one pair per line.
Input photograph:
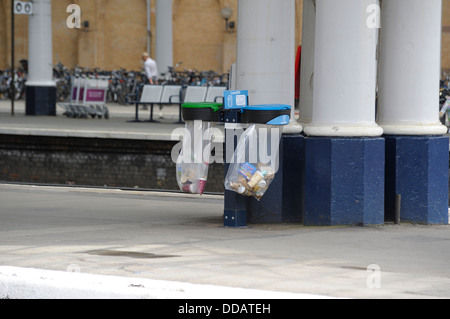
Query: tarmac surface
[177,239]
[66,242]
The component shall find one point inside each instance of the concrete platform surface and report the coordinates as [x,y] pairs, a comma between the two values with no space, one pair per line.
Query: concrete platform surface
[119,124]
[61,242]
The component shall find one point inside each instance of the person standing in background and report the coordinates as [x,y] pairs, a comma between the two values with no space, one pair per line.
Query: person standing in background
[151,69]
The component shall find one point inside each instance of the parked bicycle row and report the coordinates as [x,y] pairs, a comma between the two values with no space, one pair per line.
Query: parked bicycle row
[122,83]
[19,84]
[444,90]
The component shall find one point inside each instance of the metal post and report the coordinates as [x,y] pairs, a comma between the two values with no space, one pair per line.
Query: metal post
[13,91]
[235,205]
[149,26]
[307,68]
[398,205]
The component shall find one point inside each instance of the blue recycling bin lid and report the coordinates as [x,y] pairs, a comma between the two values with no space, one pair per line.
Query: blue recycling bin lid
[269,114]
[267,107]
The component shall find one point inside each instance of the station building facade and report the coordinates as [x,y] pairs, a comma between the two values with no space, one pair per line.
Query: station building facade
[114,33]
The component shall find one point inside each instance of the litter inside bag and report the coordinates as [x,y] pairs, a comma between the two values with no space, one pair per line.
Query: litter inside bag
[255,161]
[193,162]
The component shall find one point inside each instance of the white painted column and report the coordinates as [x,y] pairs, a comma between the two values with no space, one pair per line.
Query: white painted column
[410,55]
[345,71]
[164,35]
[266,53]
[307,67]
[40,57]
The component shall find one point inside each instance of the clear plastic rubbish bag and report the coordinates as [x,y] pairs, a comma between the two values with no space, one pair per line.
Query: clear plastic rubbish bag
[255,161]
[194,159]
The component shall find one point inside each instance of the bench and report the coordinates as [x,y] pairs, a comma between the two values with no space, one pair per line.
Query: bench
[156,94]
[173,94]
[151,94]
[215,93]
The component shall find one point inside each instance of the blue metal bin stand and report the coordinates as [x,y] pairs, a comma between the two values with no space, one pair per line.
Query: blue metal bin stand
[239,209]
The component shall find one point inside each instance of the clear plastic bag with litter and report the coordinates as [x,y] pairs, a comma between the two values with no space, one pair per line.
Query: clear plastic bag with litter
[255,161]
[194,159]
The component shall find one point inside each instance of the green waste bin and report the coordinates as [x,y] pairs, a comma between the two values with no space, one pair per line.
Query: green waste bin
[203,111]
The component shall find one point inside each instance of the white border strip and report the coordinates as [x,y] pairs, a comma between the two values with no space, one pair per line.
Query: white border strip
[26,283]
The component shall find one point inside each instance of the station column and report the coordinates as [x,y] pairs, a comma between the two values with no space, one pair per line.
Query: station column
[266,51]
[265,66]
[344,151]
[40,87]
[164,35]
[408,111]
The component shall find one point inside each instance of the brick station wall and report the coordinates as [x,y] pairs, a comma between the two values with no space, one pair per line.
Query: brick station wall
[94,162]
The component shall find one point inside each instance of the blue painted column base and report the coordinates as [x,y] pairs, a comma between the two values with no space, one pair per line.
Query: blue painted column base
[417,168]
[344,181]
[283,200]
[40,100]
